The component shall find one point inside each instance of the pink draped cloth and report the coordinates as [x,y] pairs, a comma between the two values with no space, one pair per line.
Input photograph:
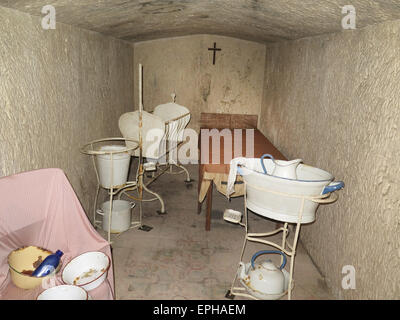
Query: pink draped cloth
[40,208]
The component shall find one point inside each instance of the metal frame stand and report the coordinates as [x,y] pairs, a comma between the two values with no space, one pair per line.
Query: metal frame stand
[289,250]
[112,190]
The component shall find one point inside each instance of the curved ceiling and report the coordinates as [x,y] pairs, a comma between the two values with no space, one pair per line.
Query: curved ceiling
[256,20]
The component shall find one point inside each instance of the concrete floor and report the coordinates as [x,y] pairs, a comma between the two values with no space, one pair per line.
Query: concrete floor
[178,259]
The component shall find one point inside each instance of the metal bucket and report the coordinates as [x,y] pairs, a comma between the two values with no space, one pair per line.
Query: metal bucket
[115,165]
[120,215]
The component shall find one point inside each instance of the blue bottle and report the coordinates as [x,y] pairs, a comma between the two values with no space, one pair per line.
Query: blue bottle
[48,265]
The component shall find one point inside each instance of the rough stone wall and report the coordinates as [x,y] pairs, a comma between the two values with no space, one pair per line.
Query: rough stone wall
[334,101]
[184,65]
[59,89]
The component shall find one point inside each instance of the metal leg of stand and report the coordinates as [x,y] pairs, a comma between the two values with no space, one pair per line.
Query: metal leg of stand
[110,214]
[232,289]
[162,211]
[284,235]
[185,170]
[140,193]
[296,237]
[95,205]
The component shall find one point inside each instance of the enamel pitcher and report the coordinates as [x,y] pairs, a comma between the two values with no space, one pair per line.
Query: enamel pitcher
[283,169]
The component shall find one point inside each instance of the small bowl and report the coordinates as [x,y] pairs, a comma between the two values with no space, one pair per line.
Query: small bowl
[23,261]
[87,270]
[64,292]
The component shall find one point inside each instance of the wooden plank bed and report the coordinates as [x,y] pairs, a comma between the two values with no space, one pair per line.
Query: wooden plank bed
[217,173]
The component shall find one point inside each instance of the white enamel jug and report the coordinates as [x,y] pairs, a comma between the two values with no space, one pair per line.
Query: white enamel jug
[283,169]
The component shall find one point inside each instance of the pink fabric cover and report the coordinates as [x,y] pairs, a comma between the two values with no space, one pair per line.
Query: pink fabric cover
[40,208]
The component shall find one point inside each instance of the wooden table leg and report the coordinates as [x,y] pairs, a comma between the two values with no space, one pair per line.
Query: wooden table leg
[199,207]
[209,206]
[200,178]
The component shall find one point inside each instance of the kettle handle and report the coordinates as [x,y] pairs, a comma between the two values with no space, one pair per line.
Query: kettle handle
[267,155]
[269,251]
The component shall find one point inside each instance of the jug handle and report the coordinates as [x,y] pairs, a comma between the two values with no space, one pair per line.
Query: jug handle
[269,251]
[333,186]
[262,161]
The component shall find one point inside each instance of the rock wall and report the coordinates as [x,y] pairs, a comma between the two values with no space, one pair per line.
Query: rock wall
[334,101]
[185,65]
[59,89]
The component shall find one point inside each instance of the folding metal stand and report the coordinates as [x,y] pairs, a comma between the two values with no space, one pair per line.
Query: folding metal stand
[289,250]
[112,190]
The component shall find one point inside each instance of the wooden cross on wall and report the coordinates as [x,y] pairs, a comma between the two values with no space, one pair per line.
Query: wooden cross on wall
[215,49]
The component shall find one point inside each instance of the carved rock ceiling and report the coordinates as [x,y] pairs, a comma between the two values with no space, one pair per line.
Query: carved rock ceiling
[255,20]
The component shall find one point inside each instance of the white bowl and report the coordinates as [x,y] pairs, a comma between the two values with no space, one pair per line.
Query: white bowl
[64,292]
[87,270]
[285,204]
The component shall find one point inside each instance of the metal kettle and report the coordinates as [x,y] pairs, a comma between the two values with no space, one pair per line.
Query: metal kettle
[264,277]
